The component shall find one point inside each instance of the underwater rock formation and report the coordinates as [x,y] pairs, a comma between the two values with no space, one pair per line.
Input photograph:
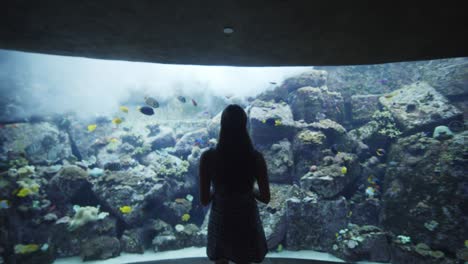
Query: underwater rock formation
[313,104]
[313,78]
[132,241]
[69,243]
[41,143]
[273,215]
[184,146]
[307,151]
[214,126]
[363,107]
[333,175]
[69,185]
[419,107]
[165,138]
[313,223]
[366,242]
[279,159]
[270,122]
[102,247]
[425,190]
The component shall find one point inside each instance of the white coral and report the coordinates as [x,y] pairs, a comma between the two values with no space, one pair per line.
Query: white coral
[85,215]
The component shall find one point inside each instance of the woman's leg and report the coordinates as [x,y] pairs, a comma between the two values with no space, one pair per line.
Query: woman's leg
[222,261]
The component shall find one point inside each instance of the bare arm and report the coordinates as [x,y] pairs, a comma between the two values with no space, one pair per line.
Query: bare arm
[262,181]
[205,196]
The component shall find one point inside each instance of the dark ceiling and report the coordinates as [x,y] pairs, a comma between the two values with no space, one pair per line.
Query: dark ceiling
[266,32]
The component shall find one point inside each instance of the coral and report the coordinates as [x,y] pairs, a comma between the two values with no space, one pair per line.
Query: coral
[403,239]
[442,132]
[85,215]
[431,225]
[25,171]
[311,137]
[19,162]
[386,124]
[28,187]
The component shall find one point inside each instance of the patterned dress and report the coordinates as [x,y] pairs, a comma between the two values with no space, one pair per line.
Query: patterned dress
[235,231]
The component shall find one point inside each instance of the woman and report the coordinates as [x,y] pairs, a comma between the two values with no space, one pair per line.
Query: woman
[235,230]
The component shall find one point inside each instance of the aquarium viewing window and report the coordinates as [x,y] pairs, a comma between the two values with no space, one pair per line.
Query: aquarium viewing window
[99,160]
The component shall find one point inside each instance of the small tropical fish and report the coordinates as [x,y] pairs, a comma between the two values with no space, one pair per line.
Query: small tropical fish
[380,152]
[45,247]
[180,200]
[278,122]
[125,209]
[63,220]
[199,142]
[279,248]
[146,110]
[350,213]
[117,121]
[189,197]
[344,170]
[26,249]
[371,179]
[273,83]
[151,102]
[388,96]
[269,121]
[337,235]
[124,109]
[194,102]
[92,127]
[370,191]
[383,81]
[181,99]
[113,140]
[4,204]
[185,217]
[23,192]
[466,243]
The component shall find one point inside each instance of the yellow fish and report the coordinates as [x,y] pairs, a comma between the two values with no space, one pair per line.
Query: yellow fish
[180,200]
[344,170]
[113,140]
[263,121]
[380,152]
[185,217]
[370,179]
[279,248]
[336,235]
[92,127]
[24,192]
[124,109]
[125,209]
[466,243]
[117,120]
[26,249]
[278,122]
[350,213]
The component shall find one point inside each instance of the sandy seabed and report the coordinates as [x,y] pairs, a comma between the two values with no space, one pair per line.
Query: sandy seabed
[195,252]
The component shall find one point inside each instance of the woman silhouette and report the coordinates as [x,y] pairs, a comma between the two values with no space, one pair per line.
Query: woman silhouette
[235,230]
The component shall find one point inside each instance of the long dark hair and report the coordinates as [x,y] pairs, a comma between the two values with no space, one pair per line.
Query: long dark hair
[233,136]
[235,151]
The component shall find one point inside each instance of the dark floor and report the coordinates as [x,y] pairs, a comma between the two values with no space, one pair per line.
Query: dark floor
[266,261]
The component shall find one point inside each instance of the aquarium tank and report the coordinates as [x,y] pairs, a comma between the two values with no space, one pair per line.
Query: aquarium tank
[99,159]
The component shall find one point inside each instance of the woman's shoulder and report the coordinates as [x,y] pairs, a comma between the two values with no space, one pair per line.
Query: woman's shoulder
[257,155]
[208,153]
